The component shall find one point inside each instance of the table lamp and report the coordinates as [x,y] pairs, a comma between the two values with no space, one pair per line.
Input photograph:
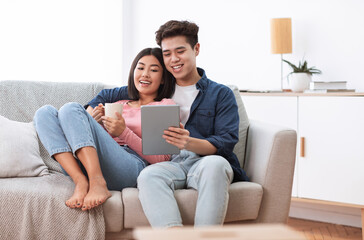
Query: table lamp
[281,38]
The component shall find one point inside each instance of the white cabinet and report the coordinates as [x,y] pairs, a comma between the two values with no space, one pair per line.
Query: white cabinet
[333,131]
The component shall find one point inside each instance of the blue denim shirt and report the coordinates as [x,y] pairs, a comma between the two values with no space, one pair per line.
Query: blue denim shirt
[213,117]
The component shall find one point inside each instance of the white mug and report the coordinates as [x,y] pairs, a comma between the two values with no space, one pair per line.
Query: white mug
[112,108]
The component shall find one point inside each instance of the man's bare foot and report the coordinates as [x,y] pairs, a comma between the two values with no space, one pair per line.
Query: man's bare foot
[81,189]
[97,194]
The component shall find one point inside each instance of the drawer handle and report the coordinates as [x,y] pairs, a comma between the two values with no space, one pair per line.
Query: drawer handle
[302,154]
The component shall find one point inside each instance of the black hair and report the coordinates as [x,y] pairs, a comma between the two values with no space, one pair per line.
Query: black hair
[174,28]
[166,89]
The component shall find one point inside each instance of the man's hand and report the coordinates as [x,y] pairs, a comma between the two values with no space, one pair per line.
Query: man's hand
[98,112]
[114,126]
[179,137]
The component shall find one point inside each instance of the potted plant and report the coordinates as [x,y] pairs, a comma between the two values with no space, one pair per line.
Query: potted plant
[301,75]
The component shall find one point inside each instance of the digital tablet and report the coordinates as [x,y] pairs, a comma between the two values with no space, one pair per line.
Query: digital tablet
[156,119]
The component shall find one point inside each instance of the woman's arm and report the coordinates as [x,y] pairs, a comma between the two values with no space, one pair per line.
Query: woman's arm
[117,128]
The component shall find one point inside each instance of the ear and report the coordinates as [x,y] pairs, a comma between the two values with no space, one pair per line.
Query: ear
[197,49]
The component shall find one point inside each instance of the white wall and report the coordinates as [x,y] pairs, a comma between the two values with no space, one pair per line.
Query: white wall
[61,40]
[94,40]
[235,37]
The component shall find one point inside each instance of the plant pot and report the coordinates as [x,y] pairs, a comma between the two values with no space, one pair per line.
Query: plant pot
[299,82]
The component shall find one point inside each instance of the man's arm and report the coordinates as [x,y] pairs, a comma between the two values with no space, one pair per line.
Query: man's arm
[109,96]
[94,107]
[225,132]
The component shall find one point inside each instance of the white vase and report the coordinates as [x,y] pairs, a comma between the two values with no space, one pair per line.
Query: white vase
[299,82]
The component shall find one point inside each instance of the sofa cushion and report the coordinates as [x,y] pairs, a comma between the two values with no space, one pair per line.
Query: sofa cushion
[240,147]
[27,96]
[19,150]
[244,203]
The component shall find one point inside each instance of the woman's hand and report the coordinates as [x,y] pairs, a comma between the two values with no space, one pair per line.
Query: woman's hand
[179,137]
[98,112]
[114,126]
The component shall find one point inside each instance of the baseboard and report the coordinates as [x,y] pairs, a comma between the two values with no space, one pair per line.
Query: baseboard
[326,213]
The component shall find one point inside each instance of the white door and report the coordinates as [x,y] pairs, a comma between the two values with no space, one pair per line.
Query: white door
[333,165]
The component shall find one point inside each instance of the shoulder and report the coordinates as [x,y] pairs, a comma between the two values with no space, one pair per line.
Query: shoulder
[211,86]
[219,90]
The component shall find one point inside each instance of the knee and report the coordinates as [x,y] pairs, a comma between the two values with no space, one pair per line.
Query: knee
[145,176]
[216,167]
[149,176]
[70,108]
[44,113]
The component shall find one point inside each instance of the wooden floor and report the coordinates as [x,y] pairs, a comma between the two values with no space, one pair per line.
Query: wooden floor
[324,231]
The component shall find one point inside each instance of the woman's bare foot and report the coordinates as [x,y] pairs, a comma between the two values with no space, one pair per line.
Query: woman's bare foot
[81,189]
[97,194]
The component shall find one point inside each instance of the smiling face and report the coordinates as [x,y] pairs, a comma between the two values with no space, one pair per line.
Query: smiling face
[180,59]
[148,76]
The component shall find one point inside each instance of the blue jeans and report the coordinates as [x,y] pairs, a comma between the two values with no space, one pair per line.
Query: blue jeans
[209,175]
[72,128]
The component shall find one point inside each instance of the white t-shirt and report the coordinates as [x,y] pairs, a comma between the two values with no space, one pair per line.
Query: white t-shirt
[184,97]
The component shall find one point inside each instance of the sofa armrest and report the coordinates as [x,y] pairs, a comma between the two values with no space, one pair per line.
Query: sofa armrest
[270,161]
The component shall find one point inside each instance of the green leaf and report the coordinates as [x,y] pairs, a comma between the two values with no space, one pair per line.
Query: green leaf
[302,67]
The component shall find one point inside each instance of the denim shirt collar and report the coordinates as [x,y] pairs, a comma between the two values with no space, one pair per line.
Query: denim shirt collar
[202,84]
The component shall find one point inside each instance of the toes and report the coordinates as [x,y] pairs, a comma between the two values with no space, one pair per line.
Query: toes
[97,203]
[85,207]
[79,203]
[102,200]
[70,204]
[93,204]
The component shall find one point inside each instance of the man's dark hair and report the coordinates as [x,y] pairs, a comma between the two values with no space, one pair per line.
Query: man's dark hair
[174,28]
[166,89]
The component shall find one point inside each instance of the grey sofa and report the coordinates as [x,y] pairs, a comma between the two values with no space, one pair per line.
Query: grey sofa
[266,152]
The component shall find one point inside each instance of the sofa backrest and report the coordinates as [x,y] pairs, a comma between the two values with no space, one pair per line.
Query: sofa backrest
[240,147]
[19,100]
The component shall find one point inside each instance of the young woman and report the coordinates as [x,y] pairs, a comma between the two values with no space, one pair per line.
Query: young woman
[101,153]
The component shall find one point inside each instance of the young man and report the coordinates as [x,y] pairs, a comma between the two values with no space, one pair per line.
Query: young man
[210,117]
